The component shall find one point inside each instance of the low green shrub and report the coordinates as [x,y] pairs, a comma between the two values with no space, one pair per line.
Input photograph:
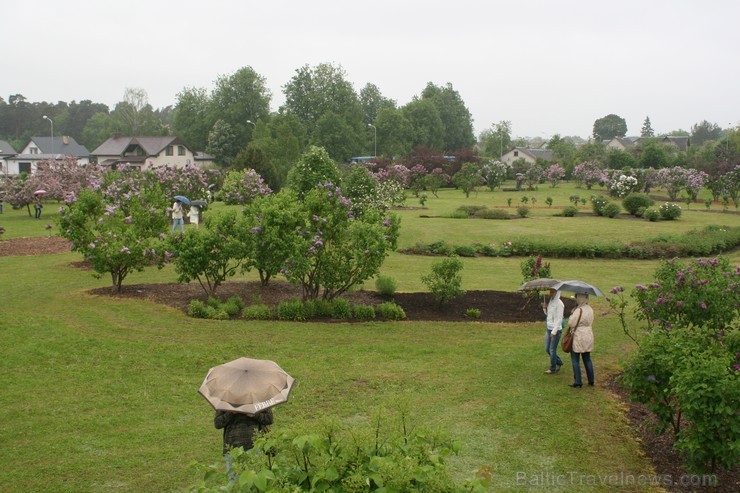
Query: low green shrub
[290,310]
[445,280]
[598,203]
[651,214]
[340,308]
[441,248]
[492,214]
[457,214]
[390,311]
[522,210]
[472,313]
[233,306]
[465,251]
[612,209]
[570,211]
[257,312]
[386,286]
[634,201]
[363,312]
[317,308]
[670,211]
[471,210]
[197,309]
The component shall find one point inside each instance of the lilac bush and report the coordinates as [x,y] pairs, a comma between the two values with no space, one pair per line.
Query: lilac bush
[554,174]
[417,178]
[243,187]
[673,180]
[495,173]
[589,173]
[621,185]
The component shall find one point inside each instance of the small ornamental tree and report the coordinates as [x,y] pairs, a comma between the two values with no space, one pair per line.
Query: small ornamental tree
[417,178]
[468,179]
[673,180]
[554,174]
[117,237]
[18,191]
[362,189]
[534,176]
[494,173]
[535,268]
[190,181]
[436,180]
[621,185]
[337,251]
[272,222]
[695,181]
[243,187]
[210,254]
[589,173]
[65,178]
[314,167]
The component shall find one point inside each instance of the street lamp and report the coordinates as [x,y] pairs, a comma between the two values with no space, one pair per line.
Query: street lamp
[375,132]
[252,123]
[52,134]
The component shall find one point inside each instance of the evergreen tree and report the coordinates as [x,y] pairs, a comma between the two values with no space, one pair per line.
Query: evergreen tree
[647,129]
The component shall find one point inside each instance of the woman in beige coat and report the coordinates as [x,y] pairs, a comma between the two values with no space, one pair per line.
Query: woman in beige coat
[581,322]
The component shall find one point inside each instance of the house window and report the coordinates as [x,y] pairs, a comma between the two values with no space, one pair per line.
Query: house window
[169,151]
[180,150]
[34,150]
[24,168]
[516,153]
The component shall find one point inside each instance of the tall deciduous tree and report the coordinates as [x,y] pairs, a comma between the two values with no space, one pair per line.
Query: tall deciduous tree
[373,101]
[456,119]
[496,140]
[395,133]
[704,131]
[238,98]
[426,123]
[609,127]
[193,119]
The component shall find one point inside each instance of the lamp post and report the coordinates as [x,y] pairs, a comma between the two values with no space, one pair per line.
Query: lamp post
[52,134]
[375,133]
[252,123]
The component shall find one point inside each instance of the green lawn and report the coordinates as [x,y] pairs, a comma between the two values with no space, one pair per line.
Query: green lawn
[101,394]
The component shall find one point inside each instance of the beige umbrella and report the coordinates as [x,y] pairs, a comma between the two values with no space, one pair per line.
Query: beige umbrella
[540,284]
[246,386]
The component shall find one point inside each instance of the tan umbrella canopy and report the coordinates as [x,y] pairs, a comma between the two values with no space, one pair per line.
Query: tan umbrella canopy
[246,386]
[540,284]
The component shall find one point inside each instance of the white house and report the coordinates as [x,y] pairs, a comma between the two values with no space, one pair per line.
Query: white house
[529,155]
[6,151]
[42,149]
[145,152]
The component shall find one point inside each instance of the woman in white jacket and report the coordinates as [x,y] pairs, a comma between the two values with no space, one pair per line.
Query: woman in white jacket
[581,323]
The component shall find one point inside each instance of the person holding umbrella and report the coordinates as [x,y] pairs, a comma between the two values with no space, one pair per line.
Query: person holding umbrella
[581,323]
[177,216]
[554,311]
[239,430]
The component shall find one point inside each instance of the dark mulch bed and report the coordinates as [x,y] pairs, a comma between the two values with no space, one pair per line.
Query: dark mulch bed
[494,306]
[668,462]
[37,245]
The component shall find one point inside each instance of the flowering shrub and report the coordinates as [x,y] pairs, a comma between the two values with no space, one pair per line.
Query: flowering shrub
[117,237]
[189,181]
[314,166]
[210,254]
[672,179]
[468,179]
[243,187]
[494,173]
[417,178]
[686,367]
[622,185]
[589,173]
[335,250]
[555,174]
[534,268]
[534,176]
[669,211]
[362,189]
[435,180]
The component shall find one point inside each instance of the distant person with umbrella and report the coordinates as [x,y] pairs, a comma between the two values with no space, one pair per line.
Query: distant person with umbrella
[554,311]
[37,206]
[239,429]
[581,323]
[177,215]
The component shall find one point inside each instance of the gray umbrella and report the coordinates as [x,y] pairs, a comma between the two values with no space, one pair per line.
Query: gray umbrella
[540,284]
[578,287]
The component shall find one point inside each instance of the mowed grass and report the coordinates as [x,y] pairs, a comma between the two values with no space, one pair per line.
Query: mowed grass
[101,395]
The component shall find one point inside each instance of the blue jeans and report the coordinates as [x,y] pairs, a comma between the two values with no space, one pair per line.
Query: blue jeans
[574,359]
[178,222]
[551,348]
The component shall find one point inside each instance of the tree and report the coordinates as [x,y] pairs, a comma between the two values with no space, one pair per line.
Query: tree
[373,101]
[243,187]
[564,151]
[705,131]
[647,128]
[193,118]
[653,154]
[610,126]
[97,130]
[334,134]
[456,119]
[135,116]
[240,97]
[468,179]
[496,140]
[222,143]
[395,133]
[426,123]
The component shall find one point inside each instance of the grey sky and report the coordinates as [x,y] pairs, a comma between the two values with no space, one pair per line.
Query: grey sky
[547,66]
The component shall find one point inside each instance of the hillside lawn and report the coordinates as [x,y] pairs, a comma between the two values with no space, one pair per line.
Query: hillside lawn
[101,395]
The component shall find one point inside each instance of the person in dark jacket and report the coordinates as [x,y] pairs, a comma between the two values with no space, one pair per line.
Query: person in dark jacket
[239,429]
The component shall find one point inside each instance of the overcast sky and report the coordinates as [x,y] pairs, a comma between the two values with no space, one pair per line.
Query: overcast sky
[547,66]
